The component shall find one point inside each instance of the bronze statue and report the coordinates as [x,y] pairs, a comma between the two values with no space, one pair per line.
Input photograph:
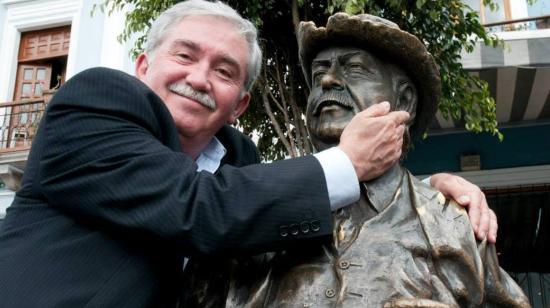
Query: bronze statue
[396,247]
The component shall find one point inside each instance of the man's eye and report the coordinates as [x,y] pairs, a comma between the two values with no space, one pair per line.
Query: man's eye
[225,73]
[184,56]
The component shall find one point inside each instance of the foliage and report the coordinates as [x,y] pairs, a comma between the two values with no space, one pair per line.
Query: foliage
[139,16]
[446,28]
[276,114]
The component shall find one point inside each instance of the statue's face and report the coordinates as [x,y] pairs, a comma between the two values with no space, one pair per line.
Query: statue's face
[346,80]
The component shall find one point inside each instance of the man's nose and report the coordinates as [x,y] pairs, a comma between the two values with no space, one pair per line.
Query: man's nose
[197,77]
[332,80]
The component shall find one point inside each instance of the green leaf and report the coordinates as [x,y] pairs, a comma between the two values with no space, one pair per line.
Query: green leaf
[420,3]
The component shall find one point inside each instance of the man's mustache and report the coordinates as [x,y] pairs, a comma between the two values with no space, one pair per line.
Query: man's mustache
[338,97]
[186,90]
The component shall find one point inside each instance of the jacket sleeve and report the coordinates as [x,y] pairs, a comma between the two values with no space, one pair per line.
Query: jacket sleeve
[110,157]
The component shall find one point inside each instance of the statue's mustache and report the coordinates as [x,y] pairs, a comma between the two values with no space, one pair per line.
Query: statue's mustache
[336,97]
[186,90]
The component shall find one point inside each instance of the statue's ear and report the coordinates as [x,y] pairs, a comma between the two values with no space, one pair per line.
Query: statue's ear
[406,101]
[407,98]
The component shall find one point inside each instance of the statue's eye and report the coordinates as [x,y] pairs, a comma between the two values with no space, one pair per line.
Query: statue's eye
[356,68]
[317,76]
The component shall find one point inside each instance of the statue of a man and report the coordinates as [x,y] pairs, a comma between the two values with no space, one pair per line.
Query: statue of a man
[397,246]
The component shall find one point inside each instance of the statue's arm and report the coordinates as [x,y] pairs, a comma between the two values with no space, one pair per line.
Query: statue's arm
[241,282]
[467,270]
[500,289]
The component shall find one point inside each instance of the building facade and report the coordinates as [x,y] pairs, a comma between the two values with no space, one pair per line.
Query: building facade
[44,43]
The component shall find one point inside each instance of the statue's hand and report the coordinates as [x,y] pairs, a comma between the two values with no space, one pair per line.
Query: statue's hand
[373,140]
[482,218]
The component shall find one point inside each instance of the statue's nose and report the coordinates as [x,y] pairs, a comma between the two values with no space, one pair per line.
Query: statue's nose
[332,80]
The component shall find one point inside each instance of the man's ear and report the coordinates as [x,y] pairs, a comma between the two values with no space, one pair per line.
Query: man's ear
[142,64]
[239,108]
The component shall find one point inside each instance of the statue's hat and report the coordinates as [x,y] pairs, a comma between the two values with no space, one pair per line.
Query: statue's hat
[386,40]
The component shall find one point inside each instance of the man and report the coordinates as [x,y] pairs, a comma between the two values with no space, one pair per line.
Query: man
[127,176]
[401,244]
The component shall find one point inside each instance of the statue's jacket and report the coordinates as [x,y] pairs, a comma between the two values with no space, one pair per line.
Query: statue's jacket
[401,245]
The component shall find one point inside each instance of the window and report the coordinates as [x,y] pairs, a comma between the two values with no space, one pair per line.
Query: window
[501,14]
[42,63]
[540,9]
[523,15]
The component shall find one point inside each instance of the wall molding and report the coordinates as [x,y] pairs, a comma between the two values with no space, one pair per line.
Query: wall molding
[507,177]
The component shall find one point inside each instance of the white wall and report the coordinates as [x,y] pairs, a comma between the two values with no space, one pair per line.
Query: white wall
[95,42]
[2,19]
[519,9]
[6,198]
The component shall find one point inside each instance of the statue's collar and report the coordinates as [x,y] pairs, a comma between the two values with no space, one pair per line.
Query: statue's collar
[382,190]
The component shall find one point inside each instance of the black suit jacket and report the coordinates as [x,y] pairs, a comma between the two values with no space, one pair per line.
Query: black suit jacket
[109,204]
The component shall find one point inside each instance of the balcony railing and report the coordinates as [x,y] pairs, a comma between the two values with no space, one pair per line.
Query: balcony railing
[19,122]
[521,24]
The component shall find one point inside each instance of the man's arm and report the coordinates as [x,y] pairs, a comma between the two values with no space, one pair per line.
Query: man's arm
[110,158]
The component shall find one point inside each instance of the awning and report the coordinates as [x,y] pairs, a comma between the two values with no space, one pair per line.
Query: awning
[519,79]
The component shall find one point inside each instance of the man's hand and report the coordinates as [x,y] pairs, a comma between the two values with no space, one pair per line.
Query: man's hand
[482,218]
[373,140]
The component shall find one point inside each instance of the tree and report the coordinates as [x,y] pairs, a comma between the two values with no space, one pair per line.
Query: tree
[276,113]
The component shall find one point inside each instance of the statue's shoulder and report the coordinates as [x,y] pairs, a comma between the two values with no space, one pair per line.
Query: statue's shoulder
[451,240]
[444,221]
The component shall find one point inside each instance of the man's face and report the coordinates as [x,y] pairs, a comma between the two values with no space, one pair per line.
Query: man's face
[346,80]
[204,54]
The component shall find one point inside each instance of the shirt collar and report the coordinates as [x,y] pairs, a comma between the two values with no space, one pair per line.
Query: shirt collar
[211,157]
[382,190]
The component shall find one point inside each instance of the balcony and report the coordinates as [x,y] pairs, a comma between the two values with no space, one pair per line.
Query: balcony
[526,40]
[520,24]
[18,125]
